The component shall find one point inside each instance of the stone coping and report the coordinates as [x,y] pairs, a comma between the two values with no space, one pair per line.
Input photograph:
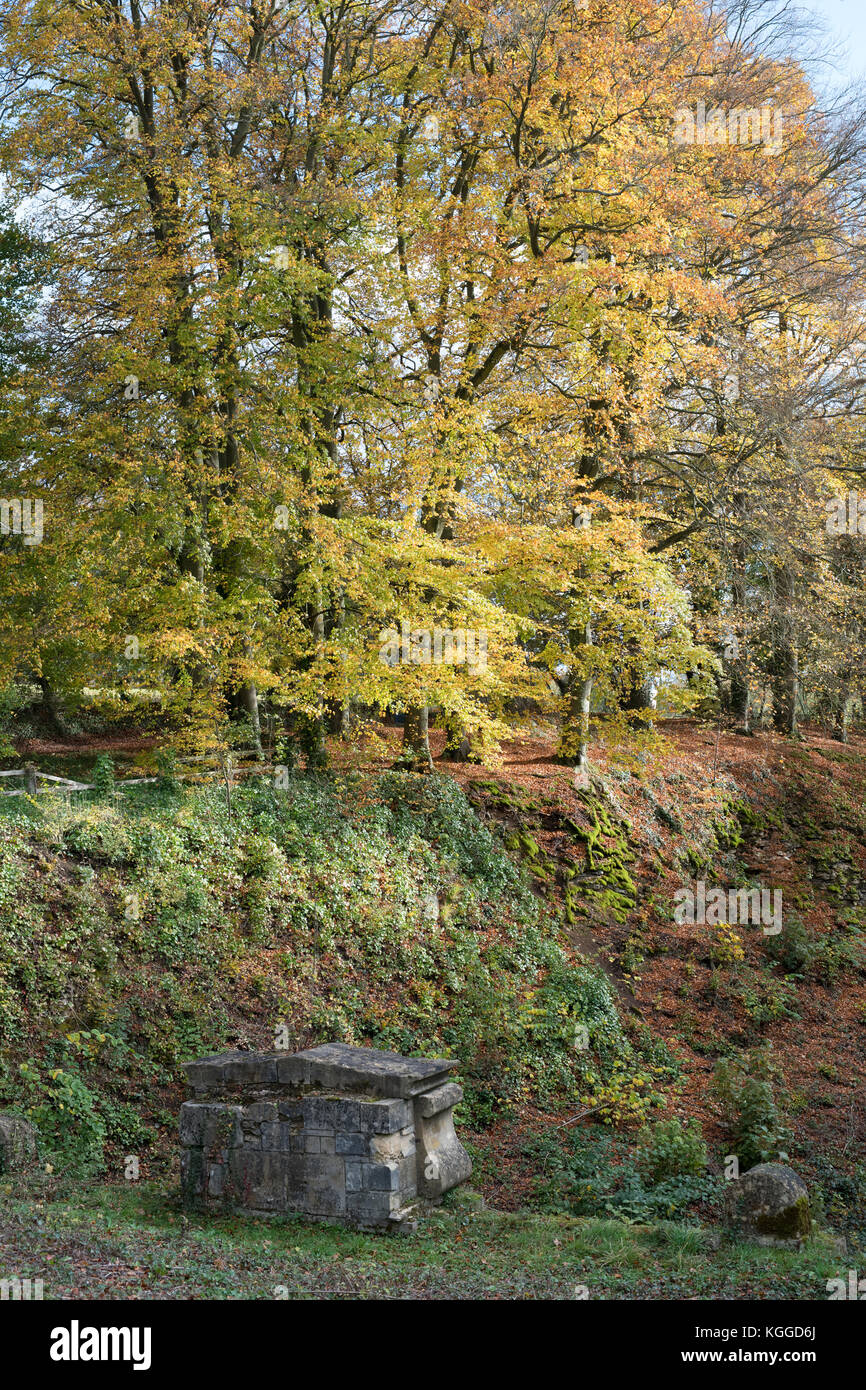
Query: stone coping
[334,1067]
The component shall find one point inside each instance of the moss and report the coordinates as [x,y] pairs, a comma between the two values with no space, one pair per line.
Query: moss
[610,901]
[617,875]
[521,841]
[794,1223]
[590,834]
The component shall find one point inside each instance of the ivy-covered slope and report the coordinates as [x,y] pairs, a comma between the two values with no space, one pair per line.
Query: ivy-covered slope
[142,930]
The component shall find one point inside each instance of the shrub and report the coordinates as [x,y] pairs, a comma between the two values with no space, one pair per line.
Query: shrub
[669,1149]
[99,833]
[791,948]
[167,780]
[591,1173]
[837,952]
[726,947]
[103,778]
[766,1001]
[66,1114]
[745,1087]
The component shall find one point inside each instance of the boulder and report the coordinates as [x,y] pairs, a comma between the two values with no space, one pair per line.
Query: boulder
[769,1204]
[17,1144]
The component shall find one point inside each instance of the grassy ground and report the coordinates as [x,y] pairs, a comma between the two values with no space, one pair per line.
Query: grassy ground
[133,1241]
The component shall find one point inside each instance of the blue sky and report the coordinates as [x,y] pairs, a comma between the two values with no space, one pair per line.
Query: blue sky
[846,30]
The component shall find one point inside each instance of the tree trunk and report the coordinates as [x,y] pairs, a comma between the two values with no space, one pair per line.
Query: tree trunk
[340,719]
[786,690]
[784,667]
[460,747]
[739,667]
[574,741]
[740,697]
[581,705]
[313,740]
[250,702]
[415,754]
[53,707]
[641,697]
[842,726]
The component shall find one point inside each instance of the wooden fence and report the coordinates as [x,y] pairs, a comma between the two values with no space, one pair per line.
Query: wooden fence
[33,776]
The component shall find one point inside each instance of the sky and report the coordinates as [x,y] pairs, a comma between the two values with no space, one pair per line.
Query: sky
[845,22]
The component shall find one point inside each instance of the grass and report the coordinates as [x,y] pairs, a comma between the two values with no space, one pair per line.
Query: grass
[133,1241]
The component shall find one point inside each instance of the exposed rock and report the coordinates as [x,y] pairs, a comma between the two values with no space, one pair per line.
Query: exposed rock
[17,1144]
[769,1204]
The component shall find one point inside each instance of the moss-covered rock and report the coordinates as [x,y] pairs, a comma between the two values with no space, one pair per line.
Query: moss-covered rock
[769,1204]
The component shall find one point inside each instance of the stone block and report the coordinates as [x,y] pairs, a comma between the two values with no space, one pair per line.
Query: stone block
[330,1113]
[769,1204]
[407,1169]
[441,1160]
[17,1144]
[272,1136]
[260,1112]
[224,1071]
[291,1110]
[293,1072]
[251,1069]
[321,1167]
[210,1126]
[335,1066]
[351,1144]
[259,1181]
[382,1177]
[192,1177]
[252,1138]
[215,1180]
[325,1199]
[384,1116]
[371,1208]
[324,1184]
[392,1146]
[440,1098]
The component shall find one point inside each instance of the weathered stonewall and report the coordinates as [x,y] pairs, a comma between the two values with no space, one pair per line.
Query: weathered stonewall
[336,1133]
[17,1144]
[769,1204]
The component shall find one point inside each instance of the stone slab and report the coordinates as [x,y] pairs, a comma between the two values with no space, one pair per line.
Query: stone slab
[338,1067]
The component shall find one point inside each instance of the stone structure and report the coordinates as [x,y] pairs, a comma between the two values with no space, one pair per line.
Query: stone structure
[769,1204]
[17,1144]
[335,1133]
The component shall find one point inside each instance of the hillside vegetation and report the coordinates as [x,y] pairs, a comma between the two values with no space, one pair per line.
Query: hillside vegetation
[489,918]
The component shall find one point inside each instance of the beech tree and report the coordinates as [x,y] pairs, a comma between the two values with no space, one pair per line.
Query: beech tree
[414,318]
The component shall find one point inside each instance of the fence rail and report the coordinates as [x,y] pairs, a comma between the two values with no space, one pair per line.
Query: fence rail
[33,776]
